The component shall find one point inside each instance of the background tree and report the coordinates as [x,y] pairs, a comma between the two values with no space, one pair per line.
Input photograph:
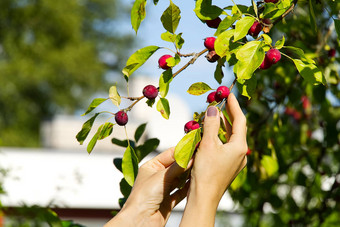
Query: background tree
[53,56]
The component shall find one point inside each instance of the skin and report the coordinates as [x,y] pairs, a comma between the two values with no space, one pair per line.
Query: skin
[215,167]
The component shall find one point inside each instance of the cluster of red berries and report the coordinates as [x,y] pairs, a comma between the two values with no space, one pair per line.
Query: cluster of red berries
[149,91]
[191,125]
[272,57]
[221,93]
[209,43]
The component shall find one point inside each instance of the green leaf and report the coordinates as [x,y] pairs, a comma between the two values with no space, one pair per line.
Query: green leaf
[309,72]
[186,147]
[179,41]
[137,13]
[143,150]
[114,96]
[122,143]
[242,27]
[267,39]
[150,102]
[247,87]
[239,180]
[206,11]
[270,165]
[95,102]
[250,57]
[117,162]
[337,27]
[299,52]
[279,44]
[163,107]
[223,43]
[130,165]
[139,132]
[84,132]
[105,130]
[137,59]
[226,23]
[173,61]
[268,8]
[218,74]
[171,17]
[168,37]
[155,2]
[199,88]
[125,188]
[312,16]
[93,142]
[164,82]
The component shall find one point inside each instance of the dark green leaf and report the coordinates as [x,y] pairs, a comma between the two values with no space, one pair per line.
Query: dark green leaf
[118,164]
[125,188]
[164,82]
[218,74]
[163,107]
[199,88]
[121,202]
[122,143]
[137,13]
[130,165]
[312,16]
[93,142]
[150,102]
[139,132]
[95,102]
[171,17]
[84,132]
[242,27]
[299,52]
[337,27]
[247,87]
[155,2]
[179,41]
[186,147]
[143,150]
[137,59]
[206,11]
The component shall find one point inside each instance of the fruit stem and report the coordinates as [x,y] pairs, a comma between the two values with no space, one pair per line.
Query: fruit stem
[185,55]
[134,103]
[130,98]
[192,60]
[230,89]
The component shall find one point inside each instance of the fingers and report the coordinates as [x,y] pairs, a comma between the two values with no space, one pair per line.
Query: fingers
[228,128]
[211,124]
[163,160]
[239,128]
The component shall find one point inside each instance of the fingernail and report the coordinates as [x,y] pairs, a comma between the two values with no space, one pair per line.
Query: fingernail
[212,111]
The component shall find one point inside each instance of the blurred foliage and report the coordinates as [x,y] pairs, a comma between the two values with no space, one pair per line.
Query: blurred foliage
[297,125]
[53,56]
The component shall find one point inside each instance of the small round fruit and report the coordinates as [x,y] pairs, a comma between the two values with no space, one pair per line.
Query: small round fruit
[273,55]
[191,125]
[162,61]
[209,43]
[266,63]
[214,22]
[211,97]
[212,56]
[331,53]
[222,92]
[150,92]
[248,151]
[266,21]
[255,29]
[121,118]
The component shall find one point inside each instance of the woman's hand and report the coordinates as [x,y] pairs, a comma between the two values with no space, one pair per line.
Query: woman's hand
[150,201]
[215,164]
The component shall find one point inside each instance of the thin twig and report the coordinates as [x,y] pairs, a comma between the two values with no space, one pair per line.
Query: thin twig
[134,103]
[189,62]
[130,98]
[185,55]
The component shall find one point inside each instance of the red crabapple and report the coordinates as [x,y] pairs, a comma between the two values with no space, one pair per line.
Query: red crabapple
[272,1]
[222,92]
[121,118]
[273,55]
[266,63]
[255,29]
[211,97]
[209,43]
[150,92]
[162,61]
[191,125]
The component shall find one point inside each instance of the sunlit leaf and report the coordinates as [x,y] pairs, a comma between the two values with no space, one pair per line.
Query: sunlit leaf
[239,180]
[309,72]
[280,43]
[242,27]
[164,82]
[171,17]
[270,165]
[206,11]
[247,87]
[114,96]
[95,102]
[199,88]
[226,23]
[163,107]
[137,13]
[223,43]
[86,128]
[130,165]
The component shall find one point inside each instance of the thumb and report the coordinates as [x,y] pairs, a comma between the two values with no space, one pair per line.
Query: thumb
[211,124]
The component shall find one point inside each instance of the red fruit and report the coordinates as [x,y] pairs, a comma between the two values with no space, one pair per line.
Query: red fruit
[150,92]
[296,115]
[248,152]
[212,56]
[305,102]
[209,43]
[289,111]
[213,23]
[331,53]
[121,118]
[272,1]
[222,92]
[191,125]
[162,61]
[211,97]
[273,55]
[266,63]
[267,21]
[255,29]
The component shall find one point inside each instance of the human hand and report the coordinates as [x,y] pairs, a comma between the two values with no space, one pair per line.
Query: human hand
[150,201]
[215,164]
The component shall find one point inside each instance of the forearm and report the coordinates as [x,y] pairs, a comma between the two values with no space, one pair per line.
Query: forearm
[200,209]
